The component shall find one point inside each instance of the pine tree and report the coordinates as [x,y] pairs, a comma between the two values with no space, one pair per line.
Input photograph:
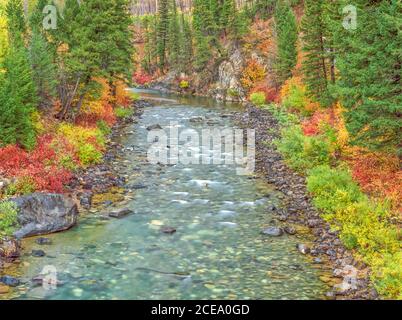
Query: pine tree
[117,49]
[316,67]
[229,19]
[17,89]
[186,47]
[15,18]
[43,68]
[286,32]
[369,62]
[149,63]
[204,32]
[174,36]
[163,32]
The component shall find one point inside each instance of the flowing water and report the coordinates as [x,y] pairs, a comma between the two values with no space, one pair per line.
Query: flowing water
[218,251]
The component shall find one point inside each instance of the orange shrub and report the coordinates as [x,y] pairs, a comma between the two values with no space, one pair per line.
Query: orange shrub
[253,73]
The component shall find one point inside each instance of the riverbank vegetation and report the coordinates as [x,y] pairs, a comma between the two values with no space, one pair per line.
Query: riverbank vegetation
[61,89]
[330,73]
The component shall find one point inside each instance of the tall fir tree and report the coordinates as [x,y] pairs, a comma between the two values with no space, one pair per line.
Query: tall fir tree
[186,47]
[204,32]
[43,68]
[163,32]
[174,36]
[369,63]
[316,66]
[286,35]
[17,89]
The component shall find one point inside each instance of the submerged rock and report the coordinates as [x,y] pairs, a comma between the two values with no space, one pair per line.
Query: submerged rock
[154,127]
[273,231]
[168,230]
[43,241]
[10,281]
[120,213]
[43,213]
[38,253]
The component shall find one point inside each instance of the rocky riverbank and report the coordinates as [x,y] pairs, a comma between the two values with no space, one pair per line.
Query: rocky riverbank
[354,282]
[85,185]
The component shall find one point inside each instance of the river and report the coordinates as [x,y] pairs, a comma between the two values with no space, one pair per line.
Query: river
[217,252]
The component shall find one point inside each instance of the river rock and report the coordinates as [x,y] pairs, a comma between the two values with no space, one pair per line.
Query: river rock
[290,230]
[196,119]
[168,230]
[120,213]
[9,249]
[44,213]
[273,231]
[43,241]
[154,127]
[10,281]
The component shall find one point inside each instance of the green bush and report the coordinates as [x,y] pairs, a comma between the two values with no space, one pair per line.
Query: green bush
[24,185]
[363,225]
[122,113]
[301,152]
[88,154]
[284,118]
[8,218]
[258,98]
[104,127]
[135,96]
[296,98]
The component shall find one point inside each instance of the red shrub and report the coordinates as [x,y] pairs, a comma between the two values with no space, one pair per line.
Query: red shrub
[379,175]
[41,166]
[141,78]
[313,125]
[271,94]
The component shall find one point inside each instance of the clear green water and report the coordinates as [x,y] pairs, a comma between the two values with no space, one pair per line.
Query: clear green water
[131,259]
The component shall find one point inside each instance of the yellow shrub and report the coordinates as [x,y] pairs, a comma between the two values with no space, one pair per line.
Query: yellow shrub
[87,142]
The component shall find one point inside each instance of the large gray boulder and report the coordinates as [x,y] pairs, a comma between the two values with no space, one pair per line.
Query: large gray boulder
[43,213]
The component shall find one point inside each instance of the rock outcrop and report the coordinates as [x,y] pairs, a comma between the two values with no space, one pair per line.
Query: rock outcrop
[228,86]
[41,213]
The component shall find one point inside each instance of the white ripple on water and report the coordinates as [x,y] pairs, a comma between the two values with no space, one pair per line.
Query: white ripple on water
[200,201]
[179,201]
[223,214]
[228,224]
[181,193]
[204,183]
